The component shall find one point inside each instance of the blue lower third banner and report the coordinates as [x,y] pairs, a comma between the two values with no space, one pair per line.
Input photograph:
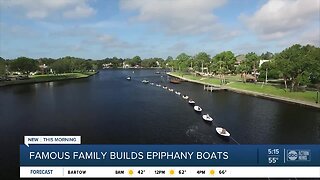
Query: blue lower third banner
[170,155]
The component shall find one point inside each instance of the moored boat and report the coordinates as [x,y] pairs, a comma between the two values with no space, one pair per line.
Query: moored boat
[151,84]
[158,85]
[145,81]
[207,117]
[164,87]
[185,97]
[223,132]
[191,101]
[197,108]
[128,78]
[177,93]
[175,81]
[171,90]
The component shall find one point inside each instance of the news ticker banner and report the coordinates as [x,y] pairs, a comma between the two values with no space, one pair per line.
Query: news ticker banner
[80,160]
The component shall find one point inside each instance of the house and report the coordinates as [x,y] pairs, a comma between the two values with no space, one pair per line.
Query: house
[125,65]
[108,65]
[240,58]
[43,68]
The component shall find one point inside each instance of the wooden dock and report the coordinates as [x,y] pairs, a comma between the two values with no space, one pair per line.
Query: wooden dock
[212,88]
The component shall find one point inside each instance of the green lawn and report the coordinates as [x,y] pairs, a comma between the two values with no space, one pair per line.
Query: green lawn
[307,96]
[58,76]
[48,78]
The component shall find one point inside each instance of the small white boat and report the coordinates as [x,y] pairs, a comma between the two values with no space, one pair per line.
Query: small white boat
[151,84]
[171,90]
[191,101]
[158,85]
[177,93]
[185,97]
[222,132]
[128,78]
[145,81]
[164,87]
[197,108]
[207,117]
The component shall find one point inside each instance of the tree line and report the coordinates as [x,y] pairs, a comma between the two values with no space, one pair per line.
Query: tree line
[296,65]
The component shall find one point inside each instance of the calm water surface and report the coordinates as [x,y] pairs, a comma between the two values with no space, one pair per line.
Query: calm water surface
[108,109]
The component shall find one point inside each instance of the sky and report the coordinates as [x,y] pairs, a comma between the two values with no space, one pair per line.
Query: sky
[96,29]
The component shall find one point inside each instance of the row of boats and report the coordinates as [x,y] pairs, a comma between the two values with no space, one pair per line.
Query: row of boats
[221,131]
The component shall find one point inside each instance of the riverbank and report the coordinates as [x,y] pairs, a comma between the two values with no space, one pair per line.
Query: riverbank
[49,78]
[307,98]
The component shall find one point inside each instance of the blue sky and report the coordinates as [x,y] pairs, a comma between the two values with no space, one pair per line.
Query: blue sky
[154,28]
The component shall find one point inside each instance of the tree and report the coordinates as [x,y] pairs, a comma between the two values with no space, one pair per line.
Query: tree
[222,70]
[169,58]
[252,61]
[266,56]
[299,64]
[182,62]
[2,67]
[61,66]
[201,60]
[243,69]
[151,62]
[24,65]
[268,70]
[229,61]
[136,61]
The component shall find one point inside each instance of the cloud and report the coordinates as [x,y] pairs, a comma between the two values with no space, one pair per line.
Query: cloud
[179,16]
[109,41]
[247,47]
[178,47]
[311,37]
[18,31]
[80,11]
[277,19]
[40,9]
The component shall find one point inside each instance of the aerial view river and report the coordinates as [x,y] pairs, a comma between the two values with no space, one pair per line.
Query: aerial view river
[108,109]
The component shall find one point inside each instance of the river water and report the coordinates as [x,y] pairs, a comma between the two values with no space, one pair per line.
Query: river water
[108,109]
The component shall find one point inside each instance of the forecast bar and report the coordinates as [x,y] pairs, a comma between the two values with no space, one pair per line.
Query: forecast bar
[154,172]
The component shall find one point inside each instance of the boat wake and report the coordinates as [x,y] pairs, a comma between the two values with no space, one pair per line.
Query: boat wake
[194,133]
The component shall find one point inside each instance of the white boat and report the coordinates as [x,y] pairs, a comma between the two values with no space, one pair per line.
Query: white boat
[197,108]
[185,97]
[177,93]
[151,84]
[145,81]
[164,87]
[191,101]
[222,132]
[128,78]
[158,85]
[171,90]
[207,117]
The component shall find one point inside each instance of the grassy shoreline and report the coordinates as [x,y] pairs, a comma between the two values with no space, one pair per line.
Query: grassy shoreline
[48,78]
[307,98]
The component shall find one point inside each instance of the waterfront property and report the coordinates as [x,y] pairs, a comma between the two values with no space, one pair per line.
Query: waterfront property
[308,98]
[109,109]
[47,78]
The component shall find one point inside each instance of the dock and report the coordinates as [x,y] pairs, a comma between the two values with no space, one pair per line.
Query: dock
[213,88]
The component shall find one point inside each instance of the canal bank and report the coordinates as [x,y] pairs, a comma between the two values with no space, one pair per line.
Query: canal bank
[49,78]
[252,93]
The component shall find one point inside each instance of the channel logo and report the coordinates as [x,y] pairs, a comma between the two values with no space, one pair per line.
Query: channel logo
[298,155]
